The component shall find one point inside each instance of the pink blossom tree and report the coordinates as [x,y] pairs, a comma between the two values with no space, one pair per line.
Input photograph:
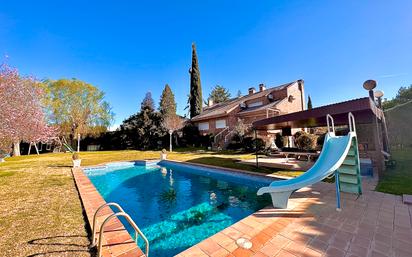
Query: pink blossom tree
[21,111]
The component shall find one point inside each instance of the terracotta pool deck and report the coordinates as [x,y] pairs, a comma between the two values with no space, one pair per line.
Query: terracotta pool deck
[375,224]
[117,242]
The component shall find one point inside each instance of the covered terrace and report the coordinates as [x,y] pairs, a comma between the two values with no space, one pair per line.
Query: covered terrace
[370,124]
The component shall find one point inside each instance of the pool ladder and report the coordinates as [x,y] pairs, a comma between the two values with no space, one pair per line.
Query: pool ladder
[119,213]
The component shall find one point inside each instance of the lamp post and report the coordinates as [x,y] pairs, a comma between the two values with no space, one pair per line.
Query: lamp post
[78,142]
[170,140]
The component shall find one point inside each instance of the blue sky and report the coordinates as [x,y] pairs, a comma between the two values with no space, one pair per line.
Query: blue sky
[129,47]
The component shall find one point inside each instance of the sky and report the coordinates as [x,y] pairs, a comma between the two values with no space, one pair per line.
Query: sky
[127,48]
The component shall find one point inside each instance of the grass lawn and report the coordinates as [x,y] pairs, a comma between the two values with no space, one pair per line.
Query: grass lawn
[40,211]
[398,180]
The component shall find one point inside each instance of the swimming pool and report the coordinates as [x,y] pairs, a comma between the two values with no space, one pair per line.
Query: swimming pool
[178,205]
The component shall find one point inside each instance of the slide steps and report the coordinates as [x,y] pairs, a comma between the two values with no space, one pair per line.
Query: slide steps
[349,171]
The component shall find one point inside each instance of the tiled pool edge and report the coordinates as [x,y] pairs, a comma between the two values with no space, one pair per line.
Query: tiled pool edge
[117,242]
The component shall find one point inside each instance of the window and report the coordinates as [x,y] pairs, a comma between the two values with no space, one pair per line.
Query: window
[221,124]
[204,126]
[255,104]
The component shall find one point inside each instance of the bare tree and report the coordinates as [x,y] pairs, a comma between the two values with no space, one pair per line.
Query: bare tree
[173,123]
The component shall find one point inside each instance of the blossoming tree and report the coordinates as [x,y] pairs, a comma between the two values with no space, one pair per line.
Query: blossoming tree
[21,111]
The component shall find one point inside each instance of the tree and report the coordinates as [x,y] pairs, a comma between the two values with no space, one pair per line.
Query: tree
[173,123]
[77,107]
[167,106]
[195,97]
[239,93]
[309,103]
[21,111]
[144,129]
[219,94]
[147,102]
[240,130]
[404,95]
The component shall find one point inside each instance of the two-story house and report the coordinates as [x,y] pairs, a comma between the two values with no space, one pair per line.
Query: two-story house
[220,119]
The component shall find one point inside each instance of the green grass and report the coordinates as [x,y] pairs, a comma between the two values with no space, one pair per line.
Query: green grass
[40,210]
[398,180]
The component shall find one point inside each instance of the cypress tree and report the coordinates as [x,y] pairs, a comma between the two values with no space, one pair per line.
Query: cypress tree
[167,105]
[309,103]
[195,98]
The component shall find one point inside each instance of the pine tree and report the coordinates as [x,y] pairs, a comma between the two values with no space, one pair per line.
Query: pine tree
[309,103]
[239,93]
[144,129]
[195,97]
[147,102]
[167,105]
[219,94]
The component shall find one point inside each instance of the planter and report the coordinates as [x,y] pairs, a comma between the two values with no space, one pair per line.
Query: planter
[76,163]
[163,156]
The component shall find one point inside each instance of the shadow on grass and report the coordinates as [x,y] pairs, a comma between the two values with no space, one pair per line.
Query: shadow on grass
[50,241]
[44,241]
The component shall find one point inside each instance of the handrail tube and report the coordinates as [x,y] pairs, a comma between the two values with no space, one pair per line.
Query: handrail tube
[329,117]
[95,218]
[352,126]
[218,134]
[131,222]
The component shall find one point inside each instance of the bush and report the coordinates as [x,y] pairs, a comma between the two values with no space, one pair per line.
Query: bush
[306,141]
[234,145]
[250,143]
[320,140]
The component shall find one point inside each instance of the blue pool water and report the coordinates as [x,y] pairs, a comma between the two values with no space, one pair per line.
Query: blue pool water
[177,206]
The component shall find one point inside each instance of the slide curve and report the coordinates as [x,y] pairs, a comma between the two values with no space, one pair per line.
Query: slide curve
[335,149]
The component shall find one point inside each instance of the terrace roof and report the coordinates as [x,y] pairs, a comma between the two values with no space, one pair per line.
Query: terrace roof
[363,109]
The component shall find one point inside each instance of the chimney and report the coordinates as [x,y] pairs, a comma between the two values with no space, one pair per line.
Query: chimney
[210,102]
[252,90]
[262,87]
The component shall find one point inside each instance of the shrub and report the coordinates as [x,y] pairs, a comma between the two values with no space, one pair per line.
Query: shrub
[234,145]
[306,141]
[250,144]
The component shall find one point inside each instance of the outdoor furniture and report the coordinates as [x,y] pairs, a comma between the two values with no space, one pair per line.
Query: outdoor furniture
[307,154]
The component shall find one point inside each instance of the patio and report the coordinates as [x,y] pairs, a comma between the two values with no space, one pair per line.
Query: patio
[375,224]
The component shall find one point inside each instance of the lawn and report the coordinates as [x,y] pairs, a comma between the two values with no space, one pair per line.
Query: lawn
[40,211]
[398,180]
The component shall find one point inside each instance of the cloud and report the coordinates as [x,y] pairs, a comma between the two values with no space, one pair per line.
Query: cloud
[392,75]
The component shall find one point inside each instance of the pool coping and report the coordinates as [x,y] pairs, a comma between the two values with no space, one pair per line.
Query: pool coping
[117,242]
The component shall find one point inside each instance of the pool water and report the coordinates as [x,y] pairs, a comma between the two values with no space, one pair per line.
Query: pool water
[177,206]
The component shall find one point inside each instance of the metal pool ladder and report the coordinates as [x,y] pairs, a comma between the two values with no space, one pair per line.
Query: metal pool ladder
[119,213]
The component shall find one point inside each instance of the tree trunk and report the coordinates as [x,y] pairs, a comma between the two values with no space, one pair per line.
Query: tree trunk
[16,148]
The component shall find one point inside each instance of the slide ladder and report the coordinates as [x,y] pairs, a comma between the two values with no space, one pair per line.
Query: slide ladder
[349,178]
[349,171]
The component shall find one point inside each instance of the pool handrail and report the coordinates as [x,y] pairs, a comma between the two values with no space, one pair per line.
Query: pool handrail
[120,209]
[131,222]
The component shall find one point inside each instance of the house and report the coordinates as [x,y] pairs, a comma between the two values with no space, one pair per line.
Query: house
[220,119]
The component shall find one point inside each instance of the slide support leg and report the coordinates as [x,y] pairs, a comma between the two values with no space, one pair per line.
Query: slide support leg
[280,199]
[338,208]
